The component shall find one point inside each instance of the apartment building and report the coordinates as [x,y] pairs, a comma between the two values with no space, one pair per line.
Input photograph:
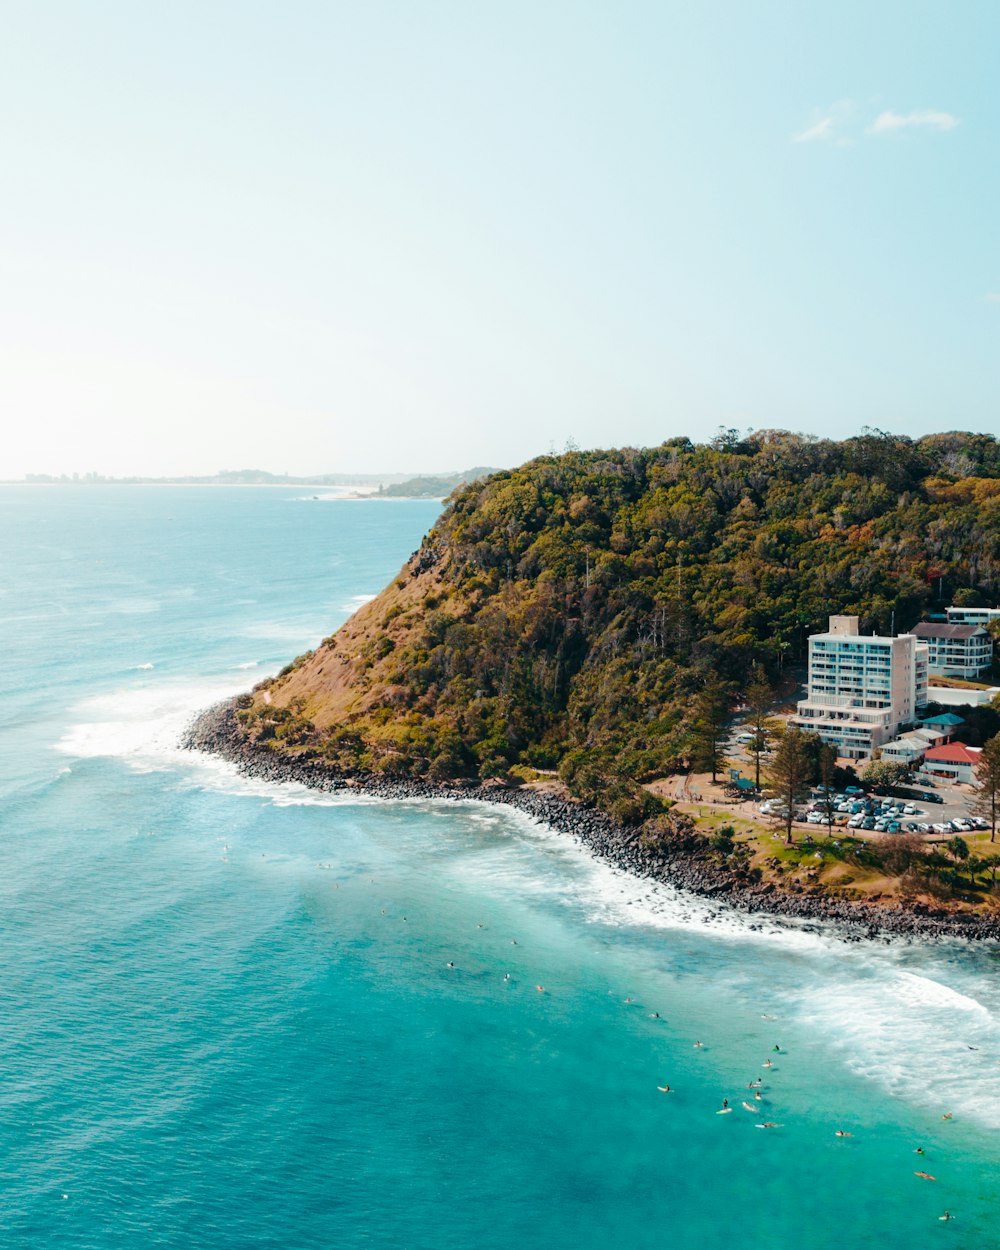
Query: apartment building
[862,689]
[956,650]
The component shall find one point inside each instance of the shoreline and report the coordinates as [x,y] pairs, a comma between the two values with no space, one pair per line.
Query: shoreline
[683,861]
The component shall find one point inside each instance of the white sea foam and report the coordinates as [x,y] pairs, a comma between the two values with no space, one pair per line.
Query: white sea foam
[144,668]
[247,664]
[142,726]
[917,1038]
[355,602]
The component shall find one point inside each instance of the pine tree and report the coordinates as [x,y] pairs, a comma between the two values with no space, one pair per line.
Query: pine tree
[790,771]
[986,781]
[827,766]
[711,712]
[760,700]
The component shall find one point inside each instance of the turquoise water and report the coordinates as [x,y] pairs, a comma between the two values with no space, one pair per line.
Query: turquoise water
[228,1015]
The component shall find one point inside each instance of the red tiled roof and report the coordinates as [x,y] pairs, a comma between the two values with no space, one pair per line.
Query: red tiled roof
[953,753]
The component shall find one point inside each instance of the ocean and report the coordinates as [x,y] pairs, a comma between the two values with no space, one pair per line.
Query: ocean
[246,1015]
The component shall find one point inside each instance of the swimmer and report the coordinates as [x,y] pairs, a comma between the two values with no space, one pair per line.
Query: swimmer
[840,1133]
[513,941]
[664,1089]
[758,1096]
[769,1124]
[628,1000]
[920,1151]
[948,1116]
[540,989]
[768,1064]
[925,1176]
[506,976]
[450,964]
[947,1215]
[654,1015]
[777,1049]
[698,1045]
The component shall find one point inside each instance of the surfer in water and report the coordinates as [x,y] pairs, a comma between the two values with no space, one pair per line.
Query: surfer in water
[664,1089]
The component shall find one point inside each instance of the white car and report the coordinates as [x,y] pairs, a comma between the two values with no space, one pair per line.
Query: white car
[816,818]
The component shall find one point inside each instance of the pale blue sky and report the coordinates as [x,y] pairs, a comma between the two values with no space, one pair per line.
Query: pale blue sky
[342,237]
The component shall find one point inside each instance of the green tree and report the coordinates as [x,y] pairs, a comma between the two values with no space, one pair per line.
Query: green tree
[879,772]
[760,700]
[959,849]
[711,712]
[986,783]
[790,771]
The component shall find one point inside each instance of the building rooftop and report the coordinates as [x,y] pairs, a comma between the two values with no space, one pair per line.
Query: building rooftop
[943,718]
[927,629]
[953,753]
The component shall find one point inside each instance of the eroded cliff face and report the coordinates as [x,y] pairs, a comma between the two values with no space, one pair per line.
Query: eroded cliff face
[352,672]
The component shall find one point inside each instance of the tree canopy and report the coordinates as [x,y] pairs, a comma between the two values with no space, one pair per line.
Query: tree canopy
[571,613]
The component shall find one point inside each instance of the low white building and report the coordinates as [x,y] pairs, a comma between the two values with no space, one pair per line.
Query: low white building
[956,650]
[972,616]
[910,748]
[861,689]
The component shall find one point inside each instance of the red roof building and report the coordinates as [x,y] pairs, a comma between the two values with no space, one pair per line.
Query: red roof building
[954,760]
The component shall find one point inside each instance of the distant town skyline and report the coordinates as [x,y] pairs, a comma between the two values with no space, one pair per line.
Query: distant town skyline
[411,238]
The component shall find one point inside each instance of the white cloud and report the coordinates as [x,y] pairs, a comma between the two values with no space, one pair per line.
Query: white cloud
[992,297]
[889,122]
[823,129]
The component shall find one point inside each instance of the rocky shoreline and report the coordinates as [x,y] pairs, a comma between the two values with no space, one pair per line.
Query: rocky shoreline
[681,861]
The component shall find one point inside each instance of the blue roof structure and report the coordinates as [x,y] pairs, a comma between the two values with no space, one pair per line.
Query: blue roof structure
[945,718]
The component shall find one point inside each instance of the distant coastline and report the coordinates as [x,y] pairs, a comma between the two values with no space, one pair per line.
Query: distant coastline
[682,861]
[355,485]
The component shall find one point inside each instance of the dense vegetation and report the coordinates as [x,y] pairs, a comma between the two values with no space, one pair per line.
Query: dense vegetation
[572,613]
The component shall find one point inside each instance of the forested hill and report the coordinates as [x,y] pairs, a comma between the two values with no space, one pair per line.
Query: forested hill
[567,614]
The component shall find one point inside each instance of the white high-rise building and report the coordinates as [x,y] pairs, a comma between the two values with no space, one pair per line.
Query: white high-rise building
[862,689]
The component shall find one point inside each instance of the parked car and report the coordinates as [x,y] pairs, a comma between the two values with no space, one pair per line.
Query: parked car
[853,790]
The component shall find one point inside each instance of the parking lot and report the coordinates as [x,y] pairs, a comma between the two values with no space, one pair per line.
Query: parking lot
[950,803]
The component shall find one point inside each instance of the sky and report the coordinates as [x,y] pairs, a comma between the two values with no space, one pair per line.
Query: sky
[326,237]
